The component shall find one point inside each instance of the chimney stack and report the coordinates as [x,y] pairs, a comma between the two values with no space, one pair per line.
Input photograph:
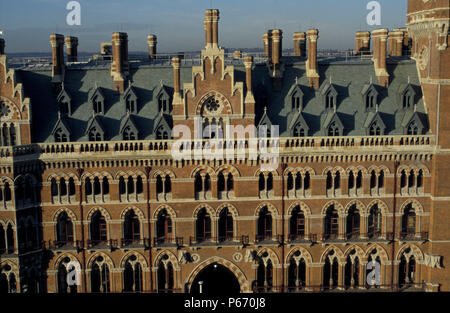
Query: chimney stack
[152,41]
[299,44]
[248,63]
[277,40]
[396,43]
[72,49]
[2,46]
[380,37]
[362,40]
[176,77]
[57,42]
[211,25]
[311,64]
[120,66]
[267,40]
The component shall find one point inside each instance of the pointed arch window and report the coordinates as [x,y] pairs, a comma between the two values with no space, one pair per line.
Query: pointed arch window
[299,131]
[331,271]
[100,276]
[408,99]
[331,223]
[264,231]
[333,130]
[351,269]
[296,101]
[98,228]
[98,104]
[371,100]
[130,104]
[61,136]
[353,223]
[330,100]
[165,275]
[264,277]
[64,229]
[95,134]
[409,222]
[297,224]
[164,227]
[413,128]
[162,133]
[131,228]
[374,222]
[132,275]
[225,225]
[203,226]
[375,129]
[296,272]
[128,134]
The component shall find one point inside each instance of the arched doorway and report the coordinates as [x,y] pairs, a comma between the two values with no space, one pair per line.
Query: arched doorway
[215,279]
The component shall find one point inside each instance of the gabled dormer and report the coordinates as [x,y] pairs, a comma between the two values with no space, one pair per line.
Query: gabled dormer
[61,130]
[130,100]
[95,130]
[97,99]
[64,102]
[128,129]
[330,97]
[414,123]
[298,127]
[332,125]
[295,97]
[265,126]
[374,124]
[162,128]
[370,97]
[163,99]
[407,97]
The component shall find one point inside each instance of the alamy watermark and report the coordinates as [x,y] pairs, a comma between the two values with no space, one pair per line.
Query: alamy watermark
[374,277]
[374,16]
[73,269]
[74,16]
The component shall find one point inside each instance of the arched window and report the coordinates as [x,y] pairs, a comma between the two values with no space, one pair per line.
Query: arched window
[353,222]
[12,134]
[374,222]
[139,185]
[163,227]
[130,104]
[100,277]
[198,185]
[264,231]
[220,183]
[62,187]
[381,180]
[296,272]
[7,191]
[161,133]
[333,129]
[411,179]
[331,223]
[264,277]
[64,229]
[298,181]
[296,100]
[131,228]
[63,287]
[351,279]
[132,275]
[10,238]
[159,186]
[337,180]
[88,187]
[269,182]
[407,99]
[128,134]
[420,179]
[413,129]
[97,189]
[230,182]
[261,182]
[297,224]
[331,271]
[71,187]
[165,276]
[225,225]
[359,181]
[407,269]
[60,136]
[98,228]
[373,180]
[329,100]
[5,135]
[203,226]
[370,100]
[329,181]
[122,188]
[167,185]
[299,131]
[54,188]
[105,186]
[375,129]
[97,103]
[409,222]
[2,240]
[290,182]
[403,179]
[95,135]
[307,181]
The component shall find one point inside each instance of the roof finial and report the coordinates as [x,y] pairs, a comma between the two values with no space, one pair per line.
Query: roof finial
[96,86]
[371,79]
[161,112]
[62,85]
[59,115]
[376,107]
[265,110]
[296,80]
[331,79]
[161,82]
[409,80]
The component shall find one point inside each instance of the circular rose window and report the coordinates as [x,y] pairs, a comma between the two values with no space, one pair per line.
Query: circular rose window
[5,111]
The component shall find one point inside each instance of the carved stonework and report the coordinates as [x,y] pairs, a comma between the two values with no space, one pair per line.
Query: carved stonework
[433,261]
[237,257]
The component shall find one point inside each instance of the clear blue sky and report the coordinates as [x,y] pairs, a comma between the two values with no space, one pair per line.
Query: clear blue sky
[27,24]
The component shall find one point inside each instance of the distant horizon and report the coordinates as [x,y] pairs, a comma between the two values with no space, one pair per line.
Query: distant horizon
[178,24]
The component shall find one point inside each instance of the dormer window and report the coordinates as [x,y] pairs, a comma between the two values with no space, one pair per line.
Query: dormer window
[95,134]
[375,129]
[97,103]
[64,106]
[299,131]
[333,129]
[413,129]
[370,100]
[164,101]
[329,101]
[162,134]
[296,101]
[61,136]
[128,134]
[130,104]
[407,97]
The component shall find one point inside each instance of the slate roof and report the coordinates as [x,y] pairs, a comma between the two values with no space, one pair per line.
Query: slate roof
[349,79]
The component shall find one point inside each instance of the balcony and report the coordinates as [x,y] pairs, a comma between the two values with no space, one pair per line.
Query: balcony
[219,241]
[4,252]
[62,245]
[268,239]
[332,238]
[127,243]
[302,239]
[110,244]
[410,236]
[168,241]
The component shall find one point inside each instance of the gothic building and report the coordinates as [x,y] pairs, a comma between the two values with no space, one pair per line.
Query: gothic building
[358,201]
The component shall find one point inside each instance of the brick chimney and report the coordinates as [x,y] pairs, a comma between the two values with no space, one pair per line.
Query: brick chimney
[72,49]
[211,25]
[57,42]
[2,46]
[176,77]
[152,41]
[277,40]
[299,44]
[267,41]
[380,37]
[362,43]
[311,64]
[395,44]
[248,63]
[120,66]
